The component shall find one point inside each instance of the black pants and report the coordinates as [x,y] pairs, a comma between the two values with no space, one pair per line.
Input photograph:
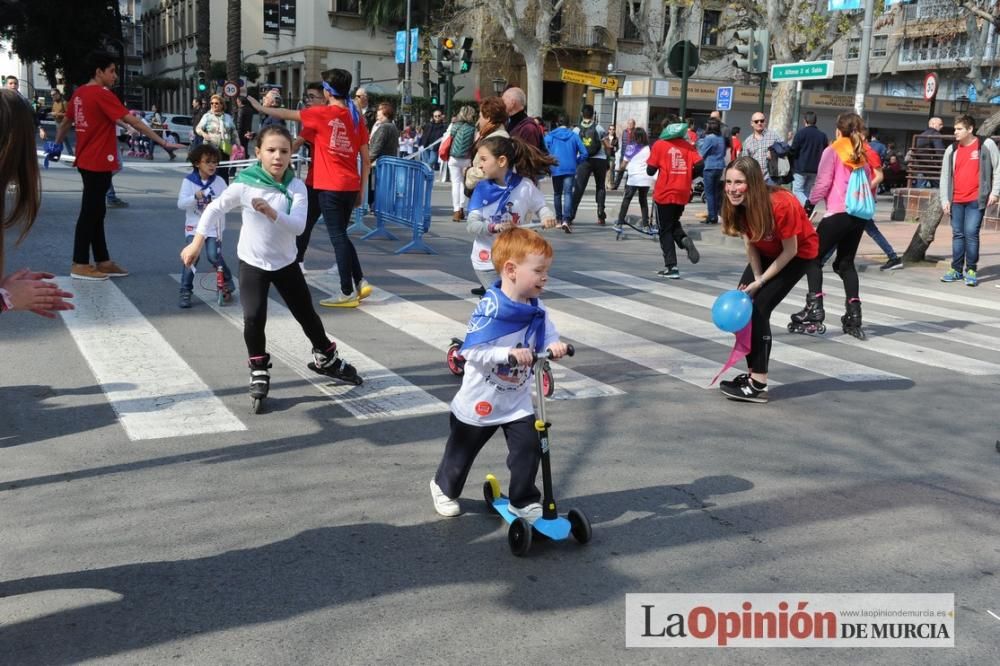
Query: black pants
[291,284]
[337,208]
[466,441]
[764,302]
[671,231]
[599,168]
[89,234]
[843,232]
[312,214]
[619,174]
[631,191]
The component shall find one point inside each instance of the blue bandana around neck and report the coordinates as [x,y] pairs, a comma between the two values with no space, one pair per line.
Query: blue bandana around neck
[487,192]
[355,114]
[195,178]
[497,316]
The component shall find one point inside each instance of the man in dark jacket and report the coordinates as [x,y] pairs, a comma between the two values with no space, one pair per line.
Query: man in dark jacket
[807,147]
[244,123]
[929,150]
[433,131]
[519,124]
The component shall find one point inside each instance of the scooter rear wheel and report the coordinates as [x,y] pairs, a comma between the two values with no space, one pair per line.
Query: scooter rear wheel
[579,526]
[488,494]
[456,364]
[519,537]
[256,405]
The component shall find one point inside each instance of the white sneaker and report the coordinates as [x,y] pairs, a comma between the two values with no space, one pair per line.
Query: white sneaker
[531,513]
[364,289]
[341,301]
[446,506]
[333,270]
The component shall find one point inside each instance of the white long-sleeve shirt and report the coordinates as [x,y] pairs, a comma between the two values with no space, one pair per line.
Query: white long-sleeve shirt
[524,203]
[188,202]
[494,392]
[264,244]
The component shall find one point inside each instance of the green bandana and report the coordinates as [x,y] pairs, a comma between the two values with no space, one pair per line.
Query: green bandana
[674,131]
[256,176]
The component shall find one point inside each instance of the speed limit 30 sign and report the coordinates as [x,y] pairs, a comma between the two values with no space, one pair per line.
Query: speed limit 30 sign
[930,86]
[230,89]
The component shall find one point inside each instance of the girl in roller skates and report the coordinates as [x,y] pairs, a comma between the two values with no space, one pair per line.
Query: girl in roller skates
[198,190]
[274,213]
[780,244]
[839,230]
[506,197]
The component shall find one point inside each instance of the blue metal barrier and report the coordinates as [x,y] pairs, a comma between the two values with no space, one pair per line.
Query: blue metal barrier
[403,195]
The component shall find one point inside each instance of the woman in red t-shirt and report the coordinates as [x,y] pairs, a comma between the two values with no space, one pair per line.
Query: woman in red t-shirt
[339,135]
[780,244]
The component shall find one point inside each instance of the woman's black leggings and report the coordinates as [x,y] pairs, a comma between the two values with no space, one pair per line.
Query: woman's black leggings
[631,191]
[312,214]
[89,234]
[764,302]
[843,232]
[291,284]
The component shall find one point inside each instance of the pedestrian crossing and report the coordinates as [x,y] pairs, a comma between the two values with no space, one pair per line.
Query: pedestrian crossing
[659,326]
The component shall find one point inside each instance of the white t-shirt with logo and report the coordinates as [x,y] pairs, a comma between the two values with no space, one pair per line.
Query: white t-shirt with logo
[193,209]
[524,203]
[494,392]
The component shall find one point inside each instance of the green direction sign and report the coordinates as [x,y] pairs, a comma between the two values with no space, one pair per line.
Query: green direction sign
[802,71]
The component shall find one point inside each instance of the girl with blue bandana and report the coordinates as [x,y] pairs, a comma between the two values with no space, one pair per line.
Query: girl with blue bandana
[508,326]
[506,197]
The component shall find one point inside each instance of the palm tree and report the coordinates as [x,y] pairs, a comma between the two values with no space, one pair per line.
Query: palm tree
[392,13]
[202,45]
[234,38]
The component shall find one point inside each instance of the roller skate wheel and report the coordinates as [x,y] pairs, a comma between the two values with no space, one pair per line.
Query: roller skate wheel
[221,298]
[821,329]
[256,405]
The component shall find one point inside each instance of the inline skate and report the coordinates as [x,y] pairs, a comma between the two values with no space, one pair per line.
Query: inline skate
[330,364]
[851,319]
[809,320]
[260,381]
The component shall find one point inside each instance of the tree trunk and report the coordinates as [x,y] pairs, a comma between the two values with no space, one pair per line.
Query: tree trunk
[202,43]
[534,64]
[234,38]
[924,235]
[782,119]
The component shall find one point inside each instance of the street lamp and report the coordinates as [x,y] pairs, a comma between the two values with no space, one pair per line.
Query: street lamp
[499,85]
[962,104]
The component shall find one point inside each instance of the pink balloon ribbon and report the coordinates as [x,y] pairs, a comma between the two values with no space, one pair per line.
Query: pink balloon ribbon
[740,349]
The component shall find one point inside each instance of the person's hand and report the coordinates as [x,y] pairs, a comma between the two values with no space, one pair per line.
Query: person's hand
[53,151]
[169,145]
[189,254]
[550,223]
[753,287]
[29,292]
[946,208]
[521,355]
[558,349]
[992,200]
[264,208]
[199,195]
[257,106]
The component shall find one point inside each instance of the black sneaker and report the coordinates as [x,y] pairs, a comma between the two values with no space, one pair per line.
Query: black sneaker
[692,251]
[669,272]
[478,291]
[742,388]
[185,300]
[893,264]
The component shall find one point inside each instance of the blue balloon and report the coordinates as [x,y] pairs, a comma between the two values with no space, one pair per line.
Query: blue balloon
[731,311]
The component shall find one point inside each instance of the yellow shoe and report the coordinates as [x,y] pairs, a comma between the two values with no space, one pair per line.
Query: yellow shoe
[342,301]
[364,289]
[86,272]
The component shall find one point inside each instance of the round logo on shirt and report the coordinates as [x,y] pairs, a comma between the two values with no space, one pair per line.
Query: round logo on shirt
[484,408]
[484,255]
[111,158]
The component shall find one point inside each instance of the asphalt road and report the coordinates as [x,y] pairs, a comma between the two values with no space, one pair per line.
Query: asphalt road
[307,535]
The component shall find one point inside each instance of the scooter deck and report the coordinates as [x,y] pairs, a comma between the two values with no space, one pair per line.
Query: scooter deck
[555,529]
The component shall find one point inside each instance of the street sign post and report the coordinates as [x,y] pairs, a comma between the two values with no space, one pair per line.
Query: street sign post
[593,80]
[802,71]
[724,98]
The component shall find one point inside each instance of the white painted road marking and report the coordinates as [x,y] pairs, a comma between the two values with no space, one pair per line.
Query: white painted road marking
[154,392]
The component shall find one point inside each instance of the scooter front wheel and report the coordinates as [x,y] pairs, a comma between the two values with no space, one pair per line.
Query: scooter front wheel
[519,537]
[548,381]
[579,526]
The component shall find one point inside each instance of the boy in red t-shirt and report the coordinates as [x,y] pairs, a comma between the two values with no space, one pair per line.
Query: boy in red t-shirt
[94,110]
[677,161]
[339,136]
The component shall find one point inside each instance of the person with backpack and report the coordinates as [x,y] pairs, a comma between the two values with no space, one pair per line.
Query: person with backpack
[593,136]
[970,183]
[848,171]
[567,148]
[463,135]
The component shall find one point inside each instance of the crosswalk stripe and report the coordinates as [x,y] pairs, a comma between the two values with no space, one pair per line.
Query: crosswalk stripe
[879,344]
[806,359]
[384,394]
[154,392]
[683,365]
[950,293]
[437,330]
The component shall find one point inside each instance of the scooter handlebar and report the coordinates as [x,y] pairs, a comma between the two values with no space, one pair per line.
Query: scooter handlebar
[570,351]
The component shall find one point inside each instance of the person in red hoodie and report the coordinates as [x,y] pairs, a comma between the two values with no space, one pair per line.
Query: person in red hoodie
[780,245]
[679,162]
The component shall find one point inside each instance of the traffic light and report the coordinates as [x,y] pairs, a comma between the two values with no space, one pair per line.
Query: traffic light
[202,84]
[435,94]
[753,51]
[446,49]
[762,48]
[466,55]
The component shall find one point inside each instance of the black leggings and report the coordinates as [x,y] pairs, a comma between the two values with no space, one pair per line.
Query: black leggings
[671,231]
[841,231]
[631,191]
[291,285]
[89,234]
[466,441]
[599,168]
[312,214]
[764,302]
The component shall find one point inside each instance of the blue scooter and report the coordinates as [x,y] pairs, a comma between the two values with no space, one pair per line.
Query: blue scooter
[551,524]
